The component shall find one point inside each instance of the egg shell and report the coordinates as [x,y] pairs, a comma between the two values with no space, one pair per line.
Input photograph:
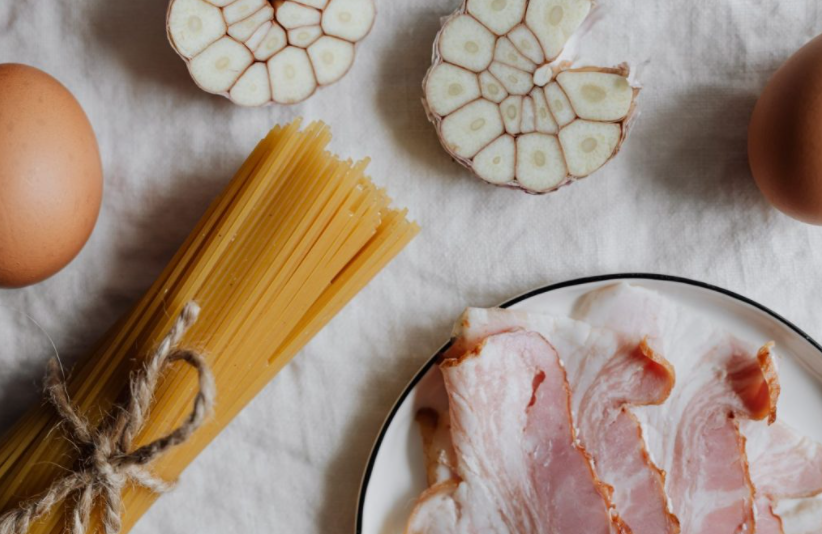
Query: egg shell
[785,136]
[51,178]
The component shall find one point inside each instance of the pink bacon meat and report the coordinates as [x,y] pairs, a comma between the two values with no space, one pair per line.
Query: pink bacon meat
[784,466]
[695,436]
[609,374]
[519,466]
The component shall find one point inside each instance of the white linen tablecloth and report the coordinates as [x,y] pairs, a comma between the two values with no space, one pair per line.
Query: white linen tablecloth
[679,200]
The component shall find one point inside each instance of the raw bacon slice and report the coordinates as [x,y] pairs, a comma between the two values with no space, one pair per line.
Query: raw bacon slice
[518,461]
[435,429]
[437,511]
[695,435]
[609,373]
[767,521]
[801,516]
[434,422]
[784,466]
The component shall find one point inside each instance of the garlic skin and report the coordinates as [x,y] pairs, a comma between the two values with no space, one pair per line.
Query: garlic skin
[506,107]
[260,52]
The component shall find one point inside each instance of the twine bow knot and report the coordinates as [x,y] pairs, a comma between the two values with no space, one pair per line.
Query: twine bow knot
[107,462]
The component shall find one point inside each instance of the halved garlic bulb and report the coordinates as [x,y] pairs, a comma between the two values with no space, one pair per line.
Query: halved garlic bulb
[507,109]
[256,52]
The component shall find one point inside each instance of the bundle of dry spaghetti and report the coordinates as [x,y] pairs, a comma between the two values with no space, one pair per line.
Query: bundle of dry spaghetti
[294,236]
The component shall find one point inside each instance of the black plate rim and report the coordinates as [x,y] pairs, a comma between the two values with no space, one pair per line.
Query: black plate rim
[539,291]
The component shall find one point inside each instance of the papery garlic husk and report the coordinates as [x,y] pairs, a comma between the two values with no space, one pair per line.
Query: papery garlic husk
[258,52]
[508,109]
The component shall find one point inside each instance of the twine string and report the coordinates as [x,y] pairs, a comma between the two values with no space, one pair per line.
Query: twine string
[107,462]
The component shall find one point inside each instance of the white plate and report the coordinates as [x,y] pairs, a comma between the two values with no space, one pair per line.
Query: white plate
[395,475]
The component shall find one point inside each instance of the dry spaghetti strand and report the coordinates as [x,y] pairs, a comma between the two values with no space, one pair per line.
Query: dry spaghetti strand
[294,236]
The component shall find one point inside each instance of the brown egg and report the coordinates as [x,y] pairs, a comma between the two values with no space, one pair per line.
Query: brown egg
[785,136]
[51,178]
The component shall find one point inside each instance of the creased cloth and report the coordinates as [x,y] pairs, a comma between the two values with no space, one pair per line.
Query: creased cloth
[678,199]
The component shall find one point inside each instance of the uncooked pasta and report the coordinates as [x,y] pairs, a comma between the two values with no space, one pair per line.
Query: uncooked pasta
[293,237]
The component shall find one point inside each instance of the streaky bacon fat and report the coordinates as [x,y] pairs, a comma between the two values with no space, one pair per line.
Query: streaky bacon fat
[785,466]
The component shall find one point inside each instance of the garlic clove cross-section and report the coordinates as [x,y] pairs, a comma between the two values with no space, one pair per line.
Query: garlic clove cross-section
[492,89]
[241,9]
[292,78]
[304,37]
[253,87]
[555,21]
[220,65]
[349,19]
[588,145]
[540,163]
[453,86]
[507,108]
[198,24]
[496,163]
[465,42]
[515,81]
[258,52]
[274,40]
[597,96]
[508,54]
[471,128]
[331,58]
[529,123]
[292,15]
[258,36]
[511,109]
[500,16]
[243,30]
[526,42]
[559,104]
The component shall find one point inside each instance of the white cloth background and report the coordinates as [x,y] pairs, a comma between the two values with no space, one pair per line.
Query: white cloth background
[679,200]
